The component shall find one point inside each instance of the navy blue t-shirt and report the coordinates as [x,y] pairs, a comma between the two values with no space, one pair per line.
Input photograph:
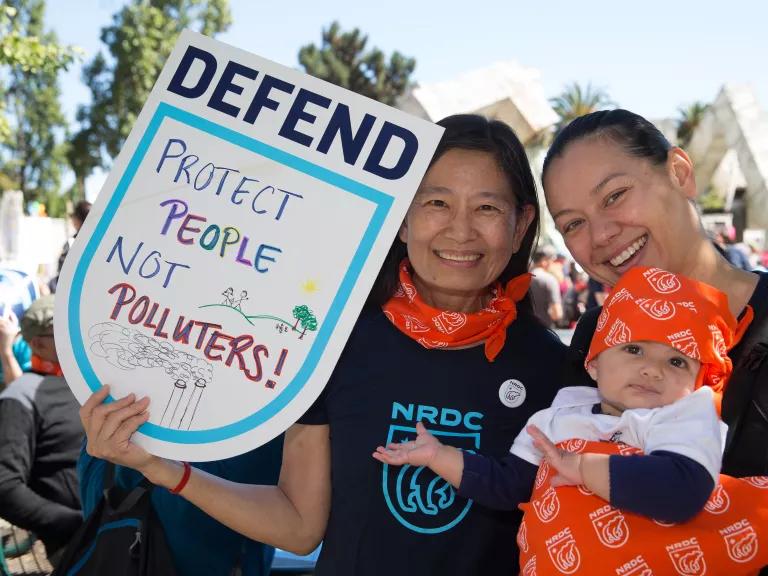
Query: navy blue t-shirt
[404,520]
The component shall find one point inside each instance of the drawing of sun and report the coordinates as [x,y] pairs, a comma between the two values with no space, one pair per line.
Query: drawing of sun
[310,286]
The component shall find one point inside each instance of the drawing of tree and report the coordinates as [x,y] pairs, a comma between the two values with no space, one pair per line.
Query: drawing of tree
[300,313]
[308,322]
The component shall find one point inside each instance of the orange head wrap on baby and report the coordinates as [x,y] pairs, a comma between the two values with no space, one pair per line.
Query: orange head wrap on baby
[693,317]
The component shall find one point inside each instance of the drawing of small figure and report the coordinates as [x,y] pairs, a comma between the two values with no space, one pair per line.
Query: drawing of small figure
[243,297]
[228,300]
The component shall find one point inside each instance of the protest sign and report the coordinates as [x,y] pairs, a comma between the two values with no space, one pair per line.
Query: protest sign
[228,255]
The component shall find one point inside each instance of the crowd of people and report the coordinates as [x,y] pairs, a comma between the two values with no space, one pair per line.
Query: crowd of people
[561,290]
[484,447]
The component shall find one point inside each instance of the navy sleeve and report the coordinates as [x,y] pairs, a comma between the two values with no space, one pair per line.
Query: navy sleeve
[498,483]
[661,485]
[317,414]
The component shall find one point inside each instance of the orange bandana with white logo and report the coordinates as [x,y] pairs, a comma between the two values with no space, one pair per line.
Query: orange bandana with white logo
[655,305]
[569,530]
[435,328]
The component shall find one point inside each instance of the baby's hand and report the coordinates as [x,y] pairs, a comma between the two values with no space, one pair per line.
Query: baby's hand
[567,464]
[419,452]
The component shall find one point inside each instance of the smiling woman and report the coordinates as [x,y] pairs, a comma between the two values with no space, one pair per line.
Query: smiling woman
[447,338]
[622,199]
[462,228]
[623,196]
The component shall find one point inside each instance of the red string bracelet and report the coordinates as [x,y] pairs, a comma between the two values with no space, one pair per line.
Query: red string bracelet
[184,479]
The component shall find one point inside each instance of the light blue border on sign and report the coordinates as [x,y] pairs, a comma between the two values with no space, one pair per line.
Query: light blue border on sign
[383,204]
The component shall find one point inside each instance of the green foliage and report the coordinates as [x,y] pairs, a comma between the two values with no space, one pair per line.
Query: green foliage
[576,101]
[342,59]
[58,205]
[32,148]
[301,313]
[308,322]
[688,119]
[711,201]
[139,41]
[29,52]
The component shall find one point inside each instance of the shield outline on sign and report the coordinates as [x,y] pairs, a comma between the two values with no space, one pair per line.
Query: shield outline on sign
[411,431]
[382,201]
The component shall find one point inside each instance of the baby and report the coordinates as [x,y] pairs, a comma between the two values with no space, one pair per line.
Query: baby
[647,440]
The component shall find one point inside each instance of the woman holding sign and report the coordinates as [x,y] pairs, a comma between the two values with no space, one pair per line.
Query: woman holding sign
[449,339]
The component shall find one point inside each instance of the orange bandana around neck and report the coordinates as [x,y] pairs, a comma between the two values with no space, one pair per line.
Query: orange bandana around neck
[46,367]
[435,328]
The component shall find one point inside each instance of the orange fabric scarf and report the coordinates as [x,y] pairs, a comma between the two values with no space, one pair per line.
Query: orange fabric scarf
[435,328]
[569,530]
[46,367]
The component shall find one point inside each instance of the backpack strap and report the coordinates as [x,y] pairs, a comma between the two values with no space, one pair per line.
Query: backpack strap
[109,486]
[109,475]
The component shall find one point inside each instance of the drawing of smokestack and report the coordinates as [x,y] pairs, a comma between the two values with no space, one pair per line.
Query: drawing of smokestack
[169,414]
[127,349]
[194,401]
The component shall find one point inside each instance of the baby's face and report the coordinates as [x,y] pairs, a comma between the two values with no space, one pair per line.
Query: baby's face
[642,375]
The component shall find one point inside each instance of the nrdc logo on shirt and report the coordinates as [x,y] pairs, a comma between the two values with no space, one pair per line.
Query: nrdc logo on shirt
[419,499]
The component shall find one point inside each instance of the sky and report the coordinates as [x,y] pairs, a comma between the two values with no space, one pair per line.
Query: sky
[651,57]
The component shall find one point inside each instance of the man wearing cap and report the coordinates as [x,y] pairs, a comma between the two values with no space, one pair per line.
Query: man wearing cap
[40,436]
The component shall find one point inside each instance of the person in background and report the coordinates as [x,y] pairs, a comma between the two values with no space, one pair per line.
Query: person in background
[15,354]
[77,218]
[596,293]
[17,291]
[545,289]
[560,269]
[40,436]
[736,253]
[574,302]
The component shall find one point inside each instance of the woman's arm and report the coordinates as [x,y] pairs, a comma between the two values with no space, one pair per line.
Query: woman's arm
[11,368]
[292,515]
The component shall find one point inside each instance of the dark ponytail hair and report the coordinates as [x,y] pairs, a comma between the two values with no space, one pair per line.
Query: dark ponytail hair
[473,132]
[636,135]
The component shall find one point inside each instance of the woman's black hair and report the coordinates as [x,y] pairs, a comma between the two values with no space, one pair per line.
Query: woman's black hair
[636,135]
[473,132]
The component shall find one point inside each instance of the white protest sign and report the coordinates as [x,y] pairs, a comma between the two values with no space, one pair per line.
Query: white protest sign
[228,255]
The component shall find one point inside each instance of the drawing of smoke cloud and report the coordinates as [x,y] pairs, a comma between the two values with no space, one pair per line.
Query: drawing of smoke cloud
[130,350]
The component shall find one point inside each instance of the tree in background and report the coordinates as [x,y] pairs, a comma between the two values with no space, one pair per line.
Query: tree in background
[688,119]
[32,124]
[139,41]
[342,59]
[576,101]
